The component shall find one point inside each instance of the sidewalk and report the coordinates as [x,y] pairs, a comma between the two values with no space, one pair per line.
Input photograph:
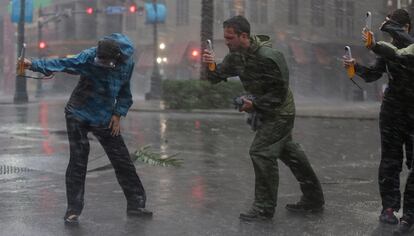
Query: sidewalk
[307,109]
[314,109]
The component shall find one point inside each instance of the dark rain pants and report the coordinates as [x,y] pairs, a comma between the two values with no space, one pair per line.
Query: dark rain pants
[273,141]
[396,128]
[118,154]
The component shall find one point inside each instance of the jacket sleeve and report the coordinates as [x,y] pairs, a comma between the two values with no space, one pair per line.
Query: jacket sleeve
[373,72]
[229,67]
[74,65]
[276,85]
[124,98]
[404,56]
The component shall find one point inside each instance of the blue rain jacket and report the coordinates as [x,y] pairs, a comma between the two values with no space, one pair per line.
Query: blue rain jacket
[101,92]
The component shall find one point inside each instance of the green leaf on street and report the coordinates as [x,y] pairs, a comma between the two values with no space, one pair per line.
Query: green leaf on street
[147,156]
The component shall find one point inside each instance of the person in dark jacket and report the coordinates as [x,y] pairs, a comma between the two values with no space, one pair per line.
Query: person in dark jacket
[395,119]
[405,57]
[264,74]
[96,105]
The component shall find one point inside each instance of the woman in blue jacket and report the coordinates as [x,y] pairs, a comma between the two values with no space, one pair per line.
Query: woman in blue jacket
[96,105]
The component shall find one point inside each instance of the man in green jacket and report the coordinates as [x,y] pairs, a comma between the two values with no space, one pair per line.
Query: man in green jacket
[264,75]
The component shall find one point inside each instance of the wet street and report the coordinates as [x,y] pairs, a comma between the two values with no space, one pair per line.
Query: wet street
[202,197]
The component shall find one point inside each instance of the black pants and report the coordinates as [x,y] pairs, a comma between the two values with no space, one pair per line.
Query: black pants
[396,127]
[118,154]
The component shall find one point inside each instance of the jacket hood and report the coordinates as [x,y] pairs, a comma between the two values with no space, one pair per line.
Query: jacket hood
[257,41]
[125,44]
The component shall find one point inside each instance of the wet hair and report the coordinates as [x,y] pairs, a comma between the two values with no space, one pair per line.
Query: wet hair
[402,17]
[239,23]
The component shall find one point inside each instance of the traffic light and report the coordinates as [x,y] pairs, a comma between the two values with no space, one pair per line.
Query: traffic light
[193,55]
[89,10]
[133,8]
[42,45]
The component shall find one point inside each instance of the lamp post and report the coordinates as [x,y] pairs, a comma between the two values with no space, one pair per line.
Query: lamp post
[155,89]
[39,87]
[20,92]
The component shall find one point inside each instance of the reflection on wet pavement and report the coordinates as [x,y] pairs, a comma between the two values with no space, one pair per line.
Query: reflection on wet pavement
[205,195]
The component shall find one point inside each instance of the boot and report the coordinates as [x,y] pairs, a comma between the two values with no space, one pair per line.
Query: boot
[388,217]
[304,207]
[255,214]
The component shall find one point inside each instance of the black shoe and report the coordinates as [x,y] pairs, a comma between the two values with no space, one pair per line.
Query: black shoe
[139,212]
[302,207]
[403,228]
[71,219]
[256,215]
[388,217]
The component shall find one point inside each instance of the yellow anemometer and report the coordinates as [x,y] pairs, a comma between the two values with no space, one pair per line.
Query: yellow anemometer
[351,68]
[20,70]
[211,66]
[368,30]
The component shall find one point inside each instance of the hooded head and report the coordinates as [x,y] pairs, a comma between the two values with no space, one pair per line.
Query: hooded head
[113,50]
[402,18]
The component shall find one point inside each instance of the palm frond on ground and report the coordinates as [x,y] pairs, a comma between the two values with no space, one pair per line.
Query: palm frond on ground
[147,156]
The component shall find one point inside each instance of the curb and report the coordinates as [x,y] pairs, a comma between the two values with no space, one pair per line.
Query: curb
[299,114]
[318,111]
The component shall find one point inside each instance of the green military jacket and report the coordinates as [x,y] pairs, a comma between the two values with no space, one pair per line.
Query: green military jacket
[390,52]
[264,74]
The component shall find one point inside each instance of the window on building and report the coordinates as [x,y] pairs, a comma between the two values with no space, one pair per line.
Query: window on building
[237,7]
[350,13]
[263,11]
[405,3]
[183,10]
[339,16]
[293,12]
[318,12]
[258,11]
[1,33]
[254,14]
[68,25]
[131,21]
[219,11]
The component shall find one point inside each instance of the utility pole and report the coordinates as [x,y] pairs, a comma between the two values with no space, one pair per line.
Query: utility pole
[207,18]
[155,89]
[39,87]
[20,95]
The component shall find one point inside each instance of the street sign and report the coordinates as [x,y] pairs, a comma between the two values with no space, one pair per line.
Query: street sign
[15,14]
[153,17]
[115,10]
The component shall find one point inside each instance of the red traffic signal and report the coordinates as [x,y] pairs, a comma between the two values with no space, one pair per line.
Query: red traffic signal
[195,53]
[132,8]
[42,45]
[89,10]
